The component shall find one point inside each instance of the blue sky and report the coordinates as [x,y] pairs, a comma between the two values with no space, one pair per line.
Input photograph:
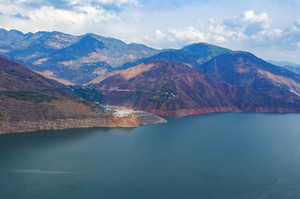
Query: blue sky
[268,28]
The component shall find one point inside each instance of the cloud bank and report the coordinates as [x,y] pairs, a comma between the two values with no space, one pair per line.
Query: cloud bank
[168,24]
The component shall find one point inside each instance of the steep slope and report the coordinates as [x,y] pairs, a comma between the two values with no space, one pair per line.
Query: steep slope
[30,102]
[198,78]
[93,48]
[283,63]
[243,69]
[11,38]
[79,59]
[179,56]
[295,68]
[173,89]
[192,55]
[31,47]
[203,52]
[67,64]
[15,77]
[165,88]
[57,54]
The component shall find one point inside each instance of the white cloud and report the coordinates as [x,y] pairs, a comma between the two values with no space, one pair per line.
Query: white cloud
[49,18]
[249,31]
[188,34]
[297,24]
[67,4]
[175,37]
[261,18]
[154,23]
[178,37]
[81,18]
[159,35]
[249,22]
[118,2]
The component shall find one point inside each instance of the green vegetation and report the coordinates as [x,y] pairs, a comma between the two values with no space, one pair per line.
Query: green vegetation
[160,97]
[156,99]
[83,101]
[139,94]
[127,98]
[87,93]
[29,96]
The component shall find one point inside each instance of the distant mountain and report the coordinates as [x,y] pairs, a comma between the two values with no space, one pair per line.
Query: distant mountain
[30,102]
[199,78]
[15,77]
[56,54]
[243,69]
[31,47]
[92,48]
[203,52]
[192,55]
[293,69]
[288,65]
[80,59]
[179,56]
[283,63]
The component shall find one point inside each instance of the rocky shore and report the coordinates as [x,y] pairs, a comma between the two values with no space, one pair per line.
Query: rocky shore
[19,116]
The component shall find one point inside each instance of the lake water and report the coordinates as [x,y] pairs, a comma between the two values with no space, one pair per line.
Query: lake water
[232,155]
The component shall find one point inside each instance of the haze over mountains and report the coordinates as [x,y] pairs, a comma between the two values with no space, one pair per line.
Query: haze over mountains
[60,56]
[199,78]
[288,65]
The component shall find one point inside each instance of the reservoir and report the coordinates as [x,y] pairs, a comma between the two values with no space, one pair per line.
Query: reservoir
[213,156]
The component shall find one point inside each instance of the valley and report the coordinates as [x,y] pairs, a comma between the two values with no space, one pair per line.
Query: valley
[46,71]
[31,102]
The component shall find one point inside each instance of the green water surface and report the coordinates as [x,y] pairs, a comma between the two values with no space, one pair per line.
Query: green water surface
[214,156]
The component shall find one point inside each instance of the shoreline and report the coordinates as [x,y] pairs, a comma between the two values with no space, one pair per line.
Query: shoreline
[120,117]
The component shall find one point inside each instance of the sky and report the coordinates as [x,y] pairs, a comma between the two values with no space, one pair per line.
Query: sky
[268,28]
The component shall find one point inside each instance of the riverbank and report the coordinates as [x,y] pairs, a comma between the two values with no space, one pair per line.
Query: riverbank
[54,115]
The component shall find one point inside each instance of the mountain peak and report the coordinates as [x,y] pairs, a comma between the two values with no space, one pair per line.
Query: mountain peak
[203,52]
[200,46]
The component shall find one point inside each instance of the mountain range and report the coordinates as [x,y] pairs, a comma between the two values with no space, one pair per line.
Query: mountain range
[59,56]
[198,78]
[288,65]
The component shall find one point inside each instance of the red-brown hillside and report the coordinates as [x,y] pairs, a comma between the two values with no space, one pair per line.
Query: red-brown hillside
[172,89]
